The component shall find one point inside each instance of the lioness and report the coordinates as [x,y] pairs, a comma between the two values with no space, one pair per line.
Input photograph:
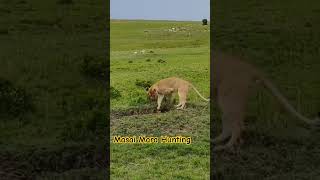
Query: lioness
[232,79]
[166,87]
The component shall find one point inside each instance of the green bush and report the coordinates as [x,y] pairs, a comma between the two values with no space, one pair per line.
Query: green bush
[204,22]
[142,83]
[161,61]
[65,2]
[90,125]
[114,93]
[94,67]
[97,122]
[14,101]
[138,101]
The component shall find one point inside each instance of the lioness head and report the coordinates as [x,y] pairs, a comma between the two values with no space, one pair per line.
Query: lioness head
[152,94]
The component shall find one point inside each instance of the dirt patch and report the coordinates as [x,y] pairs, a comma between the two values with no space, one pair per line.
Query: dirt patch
[141,110]
[279,157]
[27,164]
[149,109]
[11,169]
[116,114]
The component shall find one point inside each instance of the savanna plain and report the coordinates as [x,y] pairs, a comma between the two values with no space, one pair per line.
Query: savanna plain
[143,52]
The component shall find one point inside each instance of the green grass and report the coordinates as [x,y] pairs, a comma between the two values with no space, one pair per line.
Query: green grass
[183,54]
[281,38]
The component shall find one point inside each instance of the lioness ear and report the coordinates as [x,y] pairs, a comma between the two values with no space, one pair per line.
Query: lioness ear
[146,89]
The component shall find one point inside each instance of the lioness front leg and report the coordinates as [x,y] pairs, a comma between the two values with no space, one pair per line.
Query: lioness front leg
[226,131]
[178,105]
[160,98]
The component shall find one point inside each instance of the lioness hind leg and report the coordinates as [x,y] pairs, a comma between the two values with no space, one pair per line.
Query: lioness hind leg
[234,126]
[182,98]
[235,138]
[182,106]
[235,135]
[223,136]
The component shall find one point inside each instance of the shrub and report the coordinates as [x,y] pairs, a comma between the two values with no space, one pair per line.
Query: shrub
[94,67]
[204,22]
[92,102]
[90,125]
[138,101]
[114,93]
[14,101]
[142,83]
[97,122]
[4,31]
[161,61]
[65,2]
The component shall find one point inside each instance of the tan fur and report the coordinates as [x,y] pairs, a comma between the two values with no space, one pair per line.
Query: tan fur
[168,86]
[232,80]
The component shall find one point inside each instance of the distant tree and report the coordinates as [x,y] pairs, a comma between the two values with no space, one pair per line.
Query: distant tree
[204,22]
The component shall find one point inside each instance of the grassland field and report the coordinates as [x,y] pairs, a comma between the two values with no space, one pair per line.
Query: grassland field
[48,49]
[147,51]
